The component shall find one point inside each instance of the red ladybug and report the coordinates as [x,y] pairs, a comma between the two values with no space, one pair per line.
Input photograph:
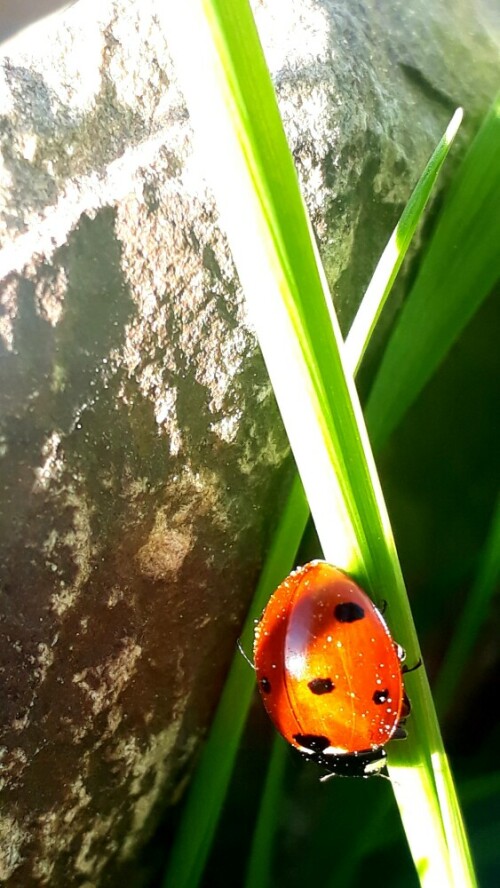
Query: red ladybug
[329,672]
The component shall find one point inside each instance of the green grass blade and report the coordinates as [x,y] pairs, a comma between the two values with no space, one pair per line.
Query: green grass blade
[459,270]
[391,259]
[255,180]
[259,862]
[234,110]
[471,619]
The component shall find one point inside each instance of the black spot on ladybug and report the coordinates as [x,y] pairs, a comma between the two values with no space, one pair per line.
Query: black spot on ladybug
[381,696]
[321,685]
[349,612]
[314,742]
[265,685]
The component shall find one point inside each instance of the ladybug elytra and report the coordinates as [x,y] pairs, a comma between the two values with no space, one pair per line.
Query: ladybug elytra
[329,672]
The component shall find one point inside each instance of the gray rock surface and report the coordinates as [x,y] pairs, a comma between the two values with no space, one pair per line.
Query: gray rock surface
[142,461]
[15,15]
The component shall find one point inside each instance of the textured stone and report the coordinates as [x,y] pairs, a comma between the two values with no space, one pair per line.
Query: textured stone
[142,461]
[18,14]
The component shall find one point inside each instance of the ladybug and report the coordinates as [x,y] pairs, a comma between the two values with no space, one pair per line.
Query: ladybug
[329,672]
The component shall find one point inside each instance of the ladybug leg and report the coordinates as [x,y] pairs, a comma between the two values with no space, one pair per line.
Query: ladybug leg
[406,707]
[400,732]
[406,669]
[383,772]
[326,777]
[382,607]
[368,763]
[401,653]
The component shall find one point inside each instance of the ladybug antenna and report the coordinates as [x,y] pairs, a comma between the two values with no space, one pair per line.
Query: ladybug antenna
[245,655]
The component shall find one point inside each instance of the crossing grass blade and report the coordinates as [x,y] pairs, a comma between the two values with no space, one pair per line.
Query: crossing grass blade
[456,274]
[392,258]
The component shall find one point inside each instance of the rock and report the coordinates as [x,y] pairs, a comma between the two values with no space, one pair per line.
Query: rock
[143,462]
[19,14]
